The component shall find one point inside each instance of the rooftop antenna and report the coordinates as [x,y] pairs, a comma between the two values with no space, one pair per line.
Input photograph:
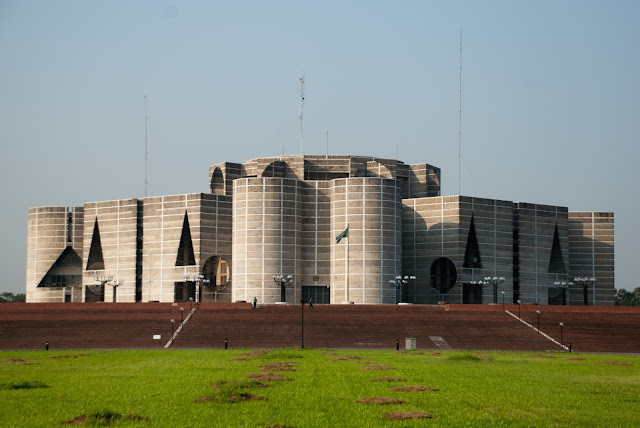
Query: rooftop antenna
[301,106]
[460,116]
[146,152]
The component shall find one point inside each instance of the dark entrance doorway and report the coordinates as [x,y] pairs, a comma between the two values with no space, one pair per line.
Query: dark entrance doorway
[557,296]
[182,291]
[319,294]
[472,294]
[94,293]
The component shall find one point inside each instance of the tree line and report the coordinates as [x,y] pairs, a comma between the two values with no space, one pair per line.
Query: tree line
[627,298]
[7,297]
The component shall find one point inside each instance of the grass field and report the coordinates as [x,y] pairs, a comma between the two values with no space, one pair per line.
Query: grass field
[211,388]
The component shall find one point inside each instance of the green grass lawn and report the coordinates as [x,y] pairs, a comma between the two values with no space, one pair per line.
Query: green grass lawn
[176,388]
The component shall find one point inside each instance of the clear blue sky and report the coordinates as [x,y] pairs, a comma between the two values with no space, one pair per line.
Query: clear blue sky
[551,99]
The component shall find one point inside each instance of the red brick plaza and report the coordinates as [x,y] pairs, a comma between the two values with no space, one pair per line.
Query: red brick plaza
[477,327]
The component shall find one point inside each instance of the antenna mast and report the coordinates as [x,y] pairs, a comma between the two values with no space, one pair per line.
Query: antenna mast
[460,116]
[301,106]
[146,152]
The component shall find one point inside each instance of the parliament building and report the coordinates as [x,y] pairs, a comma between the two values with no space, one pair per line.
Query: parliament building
[267,230]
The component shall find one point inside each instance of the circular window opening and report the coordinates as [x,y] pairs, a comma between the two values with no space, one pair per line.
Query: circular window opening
[443,275]
[216,270]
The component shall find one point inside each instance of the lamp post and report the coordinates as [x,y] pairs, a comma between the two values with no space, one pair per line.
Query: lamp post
[503,301]
[519,303]
[585,282]
[284,281]
[181,315]
[561,336]
[563,285]
[173,324]
[538,312]
[107,280]
[494,280]
[190,304]
[301,323]
[402,283]
[198,279]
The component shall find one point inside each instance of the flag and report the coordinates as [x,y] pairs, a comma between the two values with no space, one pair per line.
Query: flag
[344,234]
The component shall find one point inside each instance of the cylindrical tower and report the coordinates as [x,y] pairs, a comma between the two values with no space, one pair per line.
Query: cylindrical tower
[372,208]
[266,238]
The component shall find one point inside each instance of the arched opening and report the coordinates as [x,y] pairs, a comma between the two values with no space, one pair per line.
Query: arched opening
[277,169]
[216,186]
[216,270]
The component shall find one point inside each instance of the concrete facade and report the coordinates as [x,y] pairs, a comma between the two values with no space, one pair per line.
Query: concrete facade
[281,216]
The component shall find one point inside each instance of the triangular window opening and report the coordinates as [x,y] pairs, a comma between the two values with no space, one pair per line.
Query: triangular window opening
[95,260]
[556,263]
[186,257]
[66,271]
[472,252]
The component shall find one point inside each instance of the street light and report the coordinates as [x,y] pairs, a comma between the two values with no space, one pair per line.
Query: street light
[190,304]
[503,301]
[563,285]
[494,280]
[538,312]
[198,279]
[173,324]
[561,337]
[107,280]
[585,282]
[284,281]
[402,283]
[519,303]
[181,315]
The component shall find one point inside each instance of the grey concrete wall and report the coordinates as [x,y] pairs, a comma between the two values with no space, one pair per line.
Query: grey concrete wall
[591,254]
[431,230]
[49,233]
[209,219]
[493,222]
[316,234]
[221,177]
[117,224]
[372,208]
[419,180]
[215,220]
[267,233]
[439,227]
[537,225]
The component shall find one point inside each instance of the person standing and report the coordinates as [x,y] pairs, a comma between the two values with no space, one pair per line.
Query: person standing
[311,302]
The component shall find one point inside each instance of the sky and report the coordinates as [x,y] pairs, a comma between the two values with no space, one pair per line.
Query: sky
[550,99]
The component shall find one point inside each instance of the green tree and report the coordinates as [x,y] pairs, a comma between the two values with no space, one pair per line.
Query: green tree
[627,298]
[7,297]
